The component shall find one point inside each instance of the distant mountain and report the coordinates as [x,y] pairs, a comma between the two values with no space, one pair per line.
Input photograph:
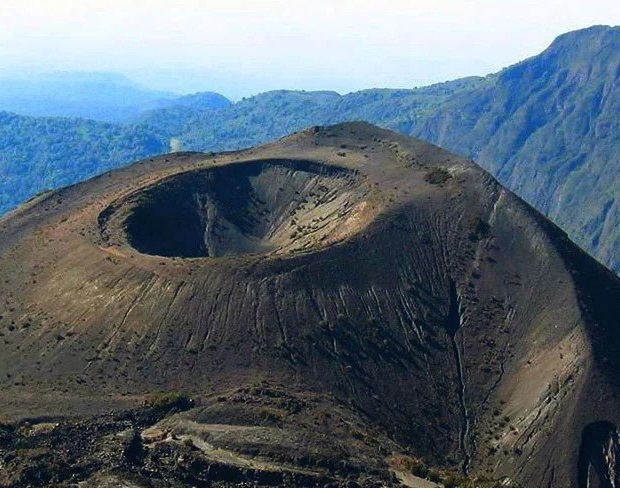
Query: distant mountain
[201,101]
[99,96]
[277,113]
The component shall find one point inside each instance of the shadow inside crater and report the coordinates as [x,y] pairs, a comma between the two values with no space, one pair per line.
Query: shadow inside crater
[599,456]
[247,208]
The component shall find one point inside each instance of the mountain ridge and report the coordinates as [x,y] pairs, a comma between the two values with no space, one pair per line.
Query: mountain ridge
[551,142]
[100,96]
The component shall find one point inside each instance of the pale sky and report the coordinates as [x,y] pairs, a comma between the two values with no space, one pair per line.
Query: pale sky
[240,48]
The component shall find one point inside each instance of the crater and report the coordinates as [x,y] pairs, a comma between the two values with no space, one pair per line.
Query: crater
[266,206]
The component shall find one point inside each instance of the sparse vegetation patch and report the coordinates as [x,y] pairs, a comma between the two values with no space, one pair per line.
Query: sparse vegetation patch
[437,176]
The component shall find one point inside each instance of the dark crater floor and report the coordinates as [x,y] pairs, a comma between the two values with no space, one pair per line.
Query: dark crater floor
[247,208]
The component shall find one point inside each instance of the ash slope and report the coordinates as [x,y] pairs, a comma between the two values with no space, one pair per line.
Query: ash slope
[399,282]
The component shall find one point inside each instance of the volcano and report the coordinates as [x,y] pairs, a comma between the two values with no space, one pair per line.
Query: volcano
[344,305]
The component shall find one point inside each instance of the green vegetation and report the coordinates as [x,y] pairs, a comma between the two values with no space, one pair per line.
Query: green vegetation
[480,230]
[275,114]
[437,176]
[168,401]
[42,153]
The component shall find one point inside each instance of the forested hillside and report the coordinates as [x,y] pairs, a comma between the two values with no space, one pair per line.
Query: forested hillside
[275,114]
[42,153]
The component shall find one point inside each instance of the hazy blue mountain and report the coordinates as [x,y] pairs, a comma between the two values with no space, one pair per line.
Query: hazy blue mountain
[99,96]
[201,101]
